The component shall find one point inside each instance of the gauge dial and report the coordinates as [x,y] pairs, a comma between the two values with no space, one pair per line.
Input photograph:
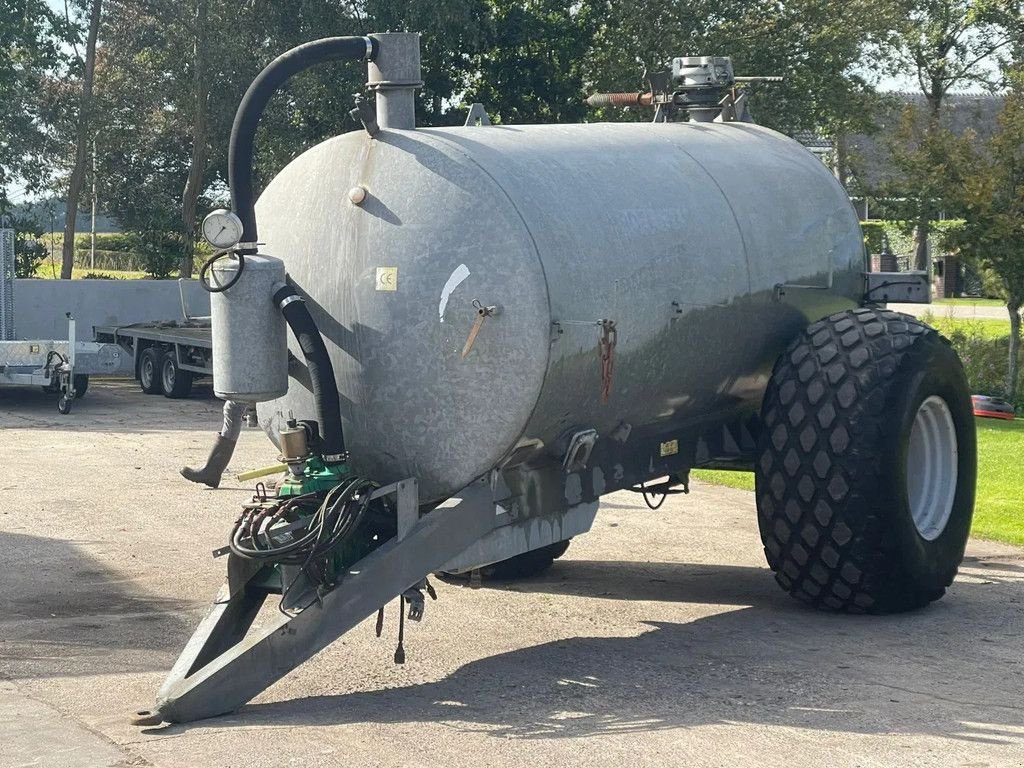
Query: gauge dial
[222,229]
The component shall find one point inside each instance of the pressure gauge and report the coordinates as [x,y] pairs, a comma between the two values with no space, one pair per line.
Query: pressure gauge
[222,229]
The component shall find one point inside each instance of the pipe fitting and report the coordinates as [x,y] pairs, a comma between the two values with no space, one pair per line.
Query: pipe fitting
[394,75]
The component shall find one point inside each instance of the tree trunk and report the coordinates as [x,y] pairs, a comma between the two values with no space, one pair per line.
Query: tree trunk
[81,143]
[921,232]
[1013,370]
[923,228]
[196,172]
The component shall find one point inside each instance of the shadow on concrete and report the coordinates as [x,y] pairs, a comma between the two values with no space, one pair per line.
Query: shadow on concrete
[954,669]
[63,614]
[111,405]
[663,582]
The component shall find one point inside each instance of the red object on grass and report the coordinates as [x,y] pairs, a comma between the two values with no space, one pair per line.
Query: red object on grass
[992,407]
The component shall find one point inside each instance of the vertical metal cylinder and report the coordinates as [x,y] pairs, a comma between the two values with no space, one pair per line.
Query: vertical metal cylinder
[250,338]
[395,75]
[7,263]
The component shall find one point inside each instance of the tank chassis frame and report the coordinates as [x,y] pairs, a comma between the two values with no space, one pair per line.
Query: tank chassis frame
[223,665]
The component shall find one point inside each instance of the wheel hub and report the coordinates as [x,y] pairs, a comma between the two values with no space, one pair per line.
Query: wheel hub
[932,460]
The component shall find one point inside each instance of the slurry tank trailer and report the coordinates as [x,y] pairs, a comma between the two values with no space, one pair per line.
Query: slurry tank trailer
[491,327]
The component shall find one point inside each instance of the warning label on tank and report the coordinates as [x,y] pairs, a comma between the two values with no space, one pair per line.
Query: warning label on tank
[671,448]
[387,278]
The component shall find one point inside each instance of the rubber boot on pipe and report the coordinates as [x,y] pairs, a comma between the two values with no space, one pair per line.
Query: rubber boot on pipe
[217,462]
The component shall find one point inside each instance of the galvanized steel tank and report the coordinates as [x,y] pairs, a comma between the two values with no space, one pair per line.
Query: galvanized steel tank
[708,245]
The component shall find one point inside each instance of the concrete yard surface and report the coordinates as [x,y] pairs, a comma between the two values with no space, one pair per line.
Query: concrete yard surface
[660,639]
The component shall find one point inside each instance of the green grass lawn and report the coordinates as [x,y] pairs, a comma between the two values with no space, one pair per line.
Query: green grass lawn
[972,302]
[49,271]
[999,508]
[742,480]
[999,511]
[983,327]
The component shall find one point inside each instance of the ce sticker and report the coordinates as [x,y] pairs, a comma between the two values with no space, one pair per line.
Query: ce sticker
[387,279]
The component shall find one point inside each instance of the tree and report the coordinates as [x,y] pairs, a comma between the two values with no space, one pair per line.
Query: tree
[28,251]
[82,139]
[819,47]
[161,117]
[30,52]
[200,104]
[993,232]
[926,159]
[943,45]
[531,66]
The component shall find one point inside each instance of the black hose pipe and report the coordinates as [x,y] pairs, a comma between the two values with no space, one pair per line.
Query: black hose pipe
[321,372]
[243,131]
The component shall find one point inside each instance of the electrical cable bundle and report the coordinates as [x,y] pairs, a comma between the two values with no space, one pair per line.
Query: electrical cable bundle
[257,535]
[308,541]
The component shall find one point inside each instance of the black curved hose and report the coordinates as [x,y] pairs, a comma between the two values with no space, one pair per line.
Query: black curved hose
[204,270]
[243,131]
[321,372]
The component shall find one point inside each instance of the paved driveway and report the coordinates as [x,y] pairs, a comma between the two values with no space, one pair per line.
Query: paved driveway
[659,640]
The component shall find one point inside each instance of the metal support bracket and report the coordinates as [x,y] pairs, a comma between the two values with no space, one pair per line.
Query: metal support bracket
[477,116]
[906,287]
[224,665]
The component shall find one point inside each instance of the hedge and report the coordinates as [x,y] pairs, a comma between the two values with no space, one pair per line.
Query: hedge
[900,234]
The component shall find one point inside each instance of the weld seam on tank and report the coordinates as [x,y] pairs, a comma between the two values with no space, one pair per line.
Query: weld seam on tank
[321,372]
[732,212]
[266,84]
[544,276]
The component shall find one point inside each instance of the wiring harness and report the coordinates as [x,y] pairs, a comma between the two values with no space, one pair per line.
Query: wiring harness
[304,531]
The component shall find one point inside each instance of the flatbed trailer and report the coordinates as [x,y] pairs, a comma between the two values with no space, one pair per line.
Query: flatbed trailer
[60,366]
[165,357]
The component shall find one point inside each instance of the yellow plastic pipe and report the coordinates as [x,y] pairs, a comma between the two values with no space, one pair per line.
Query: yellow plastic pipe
[252,474]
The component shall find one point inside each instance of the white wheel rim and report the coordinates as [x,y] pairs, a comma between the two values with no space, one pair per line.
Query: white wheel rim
[932,461]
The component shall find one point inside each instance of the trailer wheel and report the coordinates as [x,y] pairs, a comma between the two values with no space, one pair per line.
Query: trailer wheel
[174,382]
[149,370]
[522,566]
[867,463]
[528,564]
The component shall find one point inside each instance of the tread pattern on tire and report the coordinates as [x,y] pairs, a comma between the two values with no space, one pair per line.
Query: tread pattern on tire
[823,407]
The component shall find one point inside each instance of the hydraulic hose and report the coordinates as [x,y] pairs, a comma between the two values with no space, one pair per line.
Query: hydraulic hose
[243,131]
[318,363]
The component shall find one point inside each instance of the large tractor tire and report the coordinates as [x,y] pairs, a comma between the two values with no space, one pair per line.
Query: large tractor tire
[867,463]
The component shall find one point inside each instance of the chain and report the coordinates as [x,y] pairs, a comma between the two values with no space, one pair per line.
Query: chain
[606,353]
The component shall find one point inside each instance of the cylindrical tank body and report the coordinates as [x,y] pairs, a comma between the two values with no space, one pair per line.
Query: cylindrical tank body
[707,245]
[249,332]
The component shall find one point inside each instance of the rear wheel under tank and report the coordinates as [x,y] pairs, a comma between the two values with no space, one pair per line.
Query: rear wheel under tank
[528,564]
[867,461]
[522,566]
